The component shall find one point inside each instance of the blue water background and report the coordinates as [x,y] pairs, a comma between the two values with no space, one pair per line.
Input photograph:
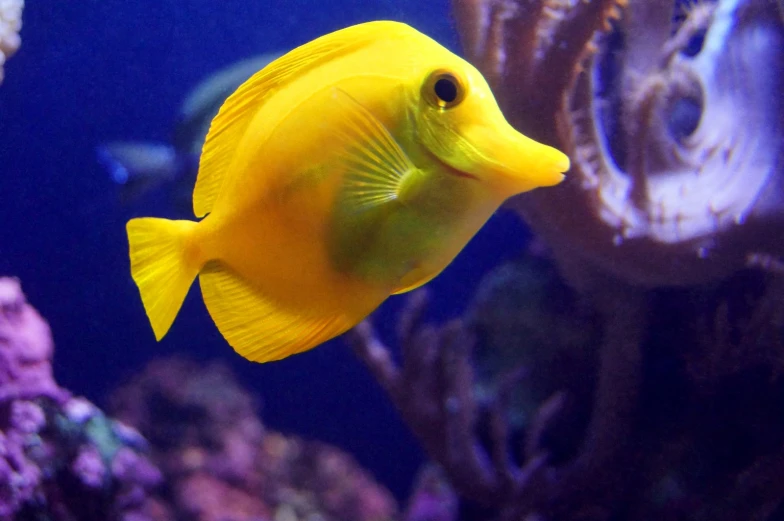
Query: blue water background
[91,71]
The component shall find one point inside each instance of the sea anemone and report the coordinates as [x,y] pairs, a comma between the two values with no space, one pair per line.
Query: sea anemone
[672,118]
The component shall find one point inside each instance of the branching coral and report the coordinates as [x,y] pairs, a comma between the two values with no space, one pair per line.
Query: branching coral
[529,323]
[434,392]
[692,452]
[673,130]
[10,24]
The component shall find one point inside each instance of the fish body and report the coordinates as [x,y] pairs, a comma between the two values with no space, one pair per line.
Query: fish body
[140,167]
[354,167]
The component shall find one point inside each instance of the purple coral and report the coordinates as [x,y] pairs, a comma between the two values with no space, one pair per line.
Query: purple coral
[25,348]
[60,456]
[220,462]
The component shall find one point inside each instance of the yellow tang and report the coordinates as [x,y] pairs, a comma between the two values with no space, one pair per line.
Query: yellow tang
[354,167]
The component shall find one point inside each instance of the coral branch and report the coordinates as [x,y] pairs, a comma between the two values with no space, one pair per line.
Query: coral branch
[572,40]
[544,416]
[758,492]
[489,41]
[434,392]
[598,475]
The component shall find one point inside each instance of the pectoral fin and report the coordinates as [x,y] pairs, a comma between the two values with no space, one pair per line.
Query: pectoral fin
[377,168]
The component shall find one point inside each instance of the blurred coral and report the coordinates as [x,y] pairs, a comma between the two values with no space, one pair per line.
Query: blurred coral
[671,116]
[433,498]
[667,440]
[220,462]
[61,458]
[434,392]
[25,348]
[194,419]
[535,336]
[10,25]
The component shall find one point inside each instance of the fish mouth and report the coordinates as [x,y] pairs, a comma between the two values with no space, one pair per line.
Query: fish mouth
[514,162]
[522,164]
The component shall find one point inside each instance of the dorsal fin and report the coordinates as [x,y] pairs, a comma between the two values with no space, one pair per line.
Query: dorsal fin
[239,109]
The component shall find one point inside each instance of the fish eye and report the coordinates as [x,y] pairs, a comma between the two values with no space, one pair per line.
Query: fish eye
[443,89]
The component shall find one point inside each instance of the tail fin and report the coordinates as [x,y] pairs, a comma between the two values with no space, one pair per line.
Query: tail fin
[163,265]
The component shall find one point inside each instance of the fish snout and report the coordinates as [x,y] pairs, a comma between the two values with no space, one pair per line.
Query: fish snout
[521,164]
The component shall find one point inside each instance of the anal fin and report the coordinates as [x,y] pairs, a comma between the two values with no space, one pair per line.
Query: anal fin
[257,328]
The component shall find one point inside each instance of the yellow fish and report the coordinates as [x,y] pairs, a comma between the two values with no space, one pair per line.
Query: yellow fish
[354,167]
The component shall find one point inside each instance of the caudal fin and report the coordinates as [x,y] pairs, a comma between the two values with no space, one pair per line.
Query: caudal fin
[163,267]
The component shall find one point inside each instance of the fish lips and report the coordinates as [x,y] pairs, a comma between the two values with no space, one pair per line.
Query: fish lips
[513,162]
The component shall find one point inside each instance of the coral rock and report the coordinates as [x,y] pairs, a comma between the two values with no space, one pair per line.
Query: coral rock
[61,458]
[10,24]
[25,348]
[221,463]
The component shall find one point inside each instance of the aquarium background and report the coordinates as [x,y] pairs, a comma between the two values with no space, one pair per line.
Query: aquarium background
[92,71]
